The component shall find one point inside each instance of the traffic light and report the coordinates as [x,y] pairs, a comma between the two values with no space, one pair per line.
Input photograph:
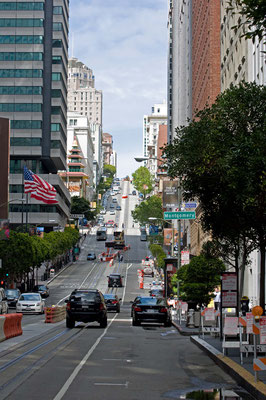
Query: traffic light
[7,274]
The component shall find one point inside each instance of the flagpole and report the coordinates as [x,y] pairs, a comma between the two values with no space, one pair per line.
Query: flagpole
[22,203]
[27,202]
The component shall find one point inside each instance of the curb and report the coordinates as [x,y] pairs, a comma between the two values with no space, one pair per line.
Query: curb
[60,272]
[240,374]
[182,332]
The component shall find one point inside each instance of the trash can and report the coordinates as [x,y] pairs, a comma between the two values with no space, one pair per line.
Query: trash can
[244,305]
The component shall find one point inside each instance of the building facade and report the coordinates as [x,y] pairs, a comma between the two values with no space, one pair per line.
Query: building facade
[107,145]
[33,96]
[179,81]
[151,124]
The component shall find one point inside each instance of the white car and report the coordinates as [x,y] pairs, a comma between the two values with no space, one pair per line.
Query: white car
[112,212]
[30,303]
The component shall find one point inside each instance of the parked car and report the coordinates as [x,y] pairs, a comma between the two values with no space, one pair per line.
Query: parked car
[30,303]
[118,208]
[86,305]
[134,192]
[151,309]
[115,280]
[12,296]
[42,289]
[112,302]
[91,256]
[3,302]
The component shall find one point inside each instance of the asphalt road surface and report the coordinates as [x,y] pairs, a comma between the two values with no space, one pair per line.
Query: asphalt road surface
[119,362]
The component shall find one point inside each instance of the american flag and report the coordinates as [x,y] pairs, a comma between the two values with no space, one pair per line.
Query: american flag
[38,187]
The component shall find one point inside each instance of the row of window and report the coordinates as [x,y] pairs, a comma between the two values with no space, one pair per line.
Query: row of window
[16,166]
[21,22]
[25,141]
[20,107]
[57,26]
[22,73]
[21,39]
[58,10]
[25,124]
[21,90]
[5,5]
[21,56]
[33,208]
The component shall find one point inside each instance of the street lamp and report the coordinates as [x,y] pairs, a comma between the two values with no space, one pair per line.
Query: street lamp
[140,159]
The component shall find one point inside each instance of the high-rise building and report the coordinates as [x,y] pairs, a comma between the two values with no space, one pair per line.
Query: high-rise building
[33,95]
[206,70]
[151,124]
[82,95]
[179,65]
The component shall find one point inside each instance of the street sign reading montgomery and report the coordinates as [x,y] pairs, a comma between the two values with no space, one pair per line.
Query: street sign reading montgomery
[179,215]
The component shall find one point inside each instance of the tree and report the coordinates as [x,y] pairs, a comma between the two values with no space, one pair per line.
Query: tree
[79,205]
[221,157]
[109,170]
[199,278]
[158,252]
[152,207]
[254,12]
[143,180]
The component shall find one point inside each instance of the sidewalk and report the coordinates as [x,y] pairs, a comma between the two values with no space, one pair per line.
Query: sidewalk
[243,374]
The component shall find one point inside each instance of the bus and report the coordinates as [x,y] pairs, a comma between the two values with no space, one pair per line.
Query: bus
[101,234]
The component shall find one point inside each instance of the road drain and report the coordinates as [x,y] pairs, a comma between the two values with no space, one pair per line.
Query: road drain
[209,394]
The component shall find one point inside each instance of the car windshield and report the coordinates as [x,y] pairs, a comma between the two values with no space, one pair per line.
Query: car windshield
[29,297]
[41,287]
[151,301]
[114,276]
[11,292]
[85,296]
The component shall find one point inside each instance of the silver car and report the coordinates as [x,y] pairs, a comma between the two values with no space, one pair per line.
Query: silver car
[30,303]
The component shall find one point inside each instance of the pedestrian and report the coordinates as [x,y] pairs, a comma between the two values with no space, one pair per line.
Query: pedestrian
[217,299]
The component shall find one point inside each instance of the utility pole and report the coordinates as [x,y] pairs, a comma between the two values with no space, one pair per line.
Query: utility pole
[179,199]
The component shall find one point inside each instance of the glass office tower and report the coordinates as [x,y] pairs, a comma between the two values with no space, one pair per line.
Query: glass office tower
[33,95]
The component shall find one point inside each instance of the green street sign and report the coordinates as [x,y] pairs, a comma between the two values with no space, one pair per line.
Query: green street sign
[179,215]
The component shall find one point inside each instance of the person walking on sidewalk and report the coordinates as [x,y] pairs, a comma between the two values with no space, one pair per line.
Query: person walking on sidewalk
[217,299]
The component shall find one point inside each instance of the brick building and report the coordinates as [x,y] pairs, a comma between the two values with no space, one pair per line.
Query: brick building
[205,53]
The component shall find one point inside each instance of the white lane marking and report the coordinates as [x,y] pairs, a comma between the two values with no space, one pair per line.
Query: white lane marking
[123,297]
[112,384]
[129,266]
[67,384]
[79,286]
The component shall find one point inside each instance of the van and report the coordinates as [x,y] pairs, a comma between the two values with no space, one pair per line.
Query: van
[143,236]
[3,302]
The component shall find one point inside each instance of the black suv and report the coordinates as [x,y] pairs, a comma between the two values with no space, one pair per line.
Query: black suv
[42,289]
[115,280]
[86,305]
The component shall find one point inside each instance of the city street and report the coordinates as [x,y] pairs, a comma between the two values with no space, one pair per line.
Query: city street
[119,362]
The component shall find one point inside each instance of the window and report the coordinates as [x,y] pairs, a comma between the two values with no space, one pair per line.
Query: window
[21,56]
[25,141]
[5,5]
[20,107]
[21,73]
[58,10]
[56,76]
[57,26]
[21,90]
[25,124]
[56,59]
[56,93]
[57,43]
[21,22]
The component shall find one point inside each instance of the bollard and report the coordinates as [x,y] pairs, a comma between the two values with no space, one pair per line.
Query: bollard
[190,318]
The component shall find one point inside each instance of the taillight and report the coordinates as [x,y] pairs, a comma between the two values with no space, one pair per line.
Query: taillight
[114,302]
[68,306]
[163,309]
[137,308]
[101,306]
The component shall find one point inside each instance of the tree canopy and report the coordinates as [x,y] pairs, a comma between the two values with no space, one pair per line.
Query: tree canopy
[254,12]
[143,180]
[152,207]
[221,157]
[79,205]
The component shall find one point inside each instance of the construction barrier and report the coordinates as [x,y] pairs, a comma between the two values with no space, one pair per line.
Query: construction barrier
[55,314]
[10,326]
[111,263]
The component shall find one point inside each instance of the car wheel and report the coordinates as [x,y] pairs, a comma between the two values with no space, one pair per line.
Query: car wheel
[103,322]
[70,323]
[135,322]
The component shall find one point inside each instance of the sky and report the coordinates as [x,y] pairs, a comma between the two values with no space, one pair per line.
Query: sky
[124,42]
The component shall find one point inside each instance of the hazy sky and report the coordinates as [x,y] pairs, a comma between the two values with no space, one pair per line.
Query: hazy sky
[124,42]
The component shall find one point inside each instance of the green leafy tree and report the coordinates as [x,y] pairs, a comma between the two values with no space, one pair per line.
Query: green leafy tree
[158,252]
[222,158]
[79,205]
[254,12]
[109,170]
[199,278]
[143,180]
[152,207]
